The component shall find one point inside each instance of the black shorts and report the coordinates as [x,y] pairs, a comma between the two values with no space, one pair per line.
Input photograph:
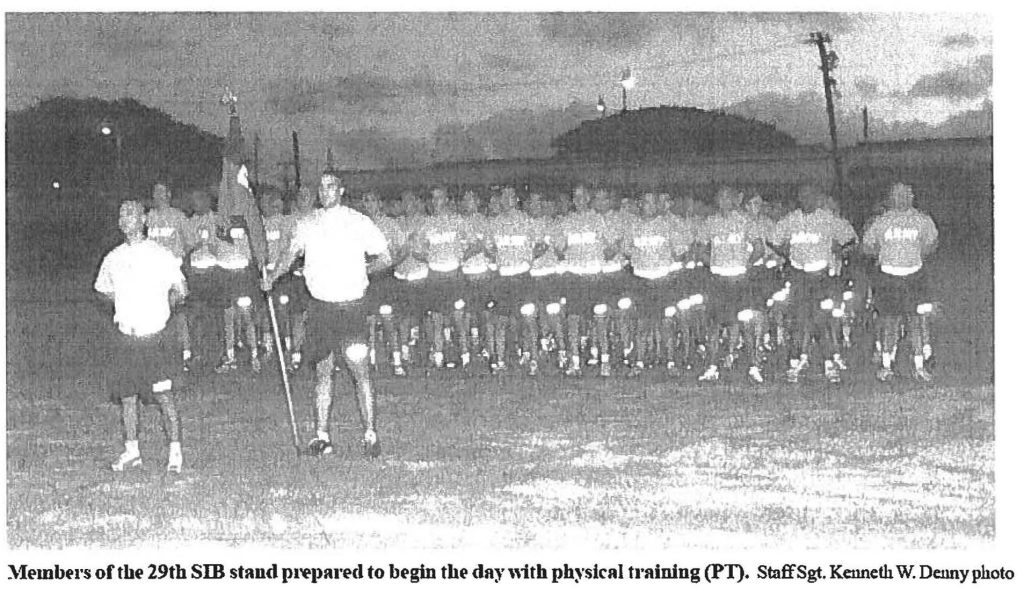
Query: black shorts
[331,328]
[293,287]
[725,297]
[547,289]
[652,296]
[203,287]
[808,291]
[234,284]
[440,291]
[583,292]
[897,295]
[142,362]
[480,288]
[765,280]
[509,293]
[384,290]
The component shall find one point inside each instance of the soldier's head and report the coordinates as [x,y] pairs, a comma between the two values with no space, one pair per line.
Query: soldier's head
[581,198]
[901,197]
[810,197]
[271,203]
[602,202]
[200,201]
[664,204]
[754,205]
[535,205]
[438,201]
[411,204]
[470,203]
[727,199]
[131,219]
[161,196]
[304,199]
[371,204]
[650,206]
[331,190]
[684,205]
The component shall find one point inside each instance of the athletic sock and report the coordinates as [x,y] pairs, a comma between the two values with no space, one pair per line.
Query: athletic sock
[886,360]
[918,361]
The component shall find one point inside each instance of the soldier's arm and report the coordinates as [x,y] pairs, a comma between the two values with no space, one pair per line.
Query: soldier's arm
[285,258]
[377,251]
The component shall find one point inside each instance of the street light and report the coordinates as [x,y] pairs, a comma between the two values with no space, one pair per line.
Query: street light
[628,82]
[107,130]
[601,108]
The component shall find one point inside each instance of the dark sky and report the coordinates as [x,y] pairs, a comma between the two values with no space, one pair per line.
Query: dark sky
[385,83]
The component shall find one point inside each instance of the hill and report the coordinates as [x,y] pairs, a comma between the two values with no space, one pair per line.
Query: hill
[668,133]
[62,139]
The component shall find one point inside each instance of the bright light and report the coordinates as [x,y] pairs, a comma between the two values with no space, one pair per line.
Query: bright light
[460,304]
[670,311]
[827,304]
[601,309]
[745,315]
[628,81]
[684,305]
[697,299]
[838,313]
[553,308]
[283,300]
[625,304]
[106,130]
[847,296]
[528,309]
[925,309]
[56,185]
[385,310]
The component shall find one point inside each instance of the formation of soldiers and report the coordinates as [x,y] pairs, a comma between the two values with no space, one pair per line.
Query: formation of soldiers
[587,284]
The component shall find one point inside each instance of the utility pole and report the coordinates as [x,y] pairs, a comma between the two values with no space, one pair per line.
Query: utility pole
[256,164]
[829,62]
[864,112]
[295,155]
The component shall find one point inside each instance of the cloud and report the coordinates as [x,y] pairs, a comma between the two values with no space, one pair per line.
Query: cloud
[597,30]
[292,96]
[506,63]
[372,148]
[803,117]
[866,87]
[509,134]
[960,40]
[961,82]
[365,91]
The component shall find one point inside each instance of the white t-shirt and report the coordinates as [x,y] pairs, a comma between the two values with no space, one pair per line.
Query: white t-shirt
[140,276]
[336,242]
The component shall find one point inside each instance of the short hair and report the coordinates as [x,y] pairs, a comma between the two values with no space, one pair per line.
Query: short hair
[131,207]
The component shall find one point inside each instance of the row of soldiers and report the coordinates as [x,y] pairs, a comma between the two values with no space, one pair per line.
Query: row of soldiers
[654,281]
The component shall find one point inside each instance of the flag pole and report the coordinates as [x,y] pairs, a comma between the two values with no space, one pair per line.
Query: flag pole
[254,225]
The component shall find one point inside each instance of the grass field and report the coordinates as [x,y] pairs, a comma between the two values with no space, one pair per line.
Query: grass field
[481,463]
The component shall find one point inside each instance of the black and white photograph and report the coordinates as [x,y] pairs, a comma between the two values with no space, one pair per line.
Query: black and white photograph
[664,282]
